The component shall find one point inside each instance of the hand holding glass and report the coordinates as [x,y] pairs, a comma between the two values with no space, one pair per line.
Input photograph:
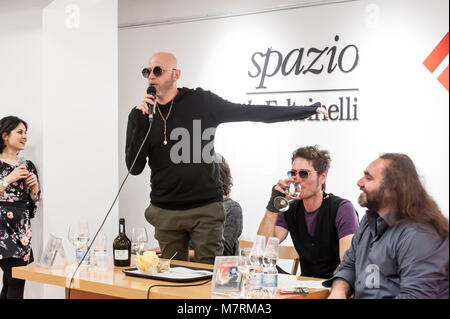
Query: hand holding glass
[292,192]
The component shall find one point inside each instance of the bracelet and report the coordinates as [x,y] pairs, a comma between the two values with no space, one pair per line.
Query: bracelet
[35,195]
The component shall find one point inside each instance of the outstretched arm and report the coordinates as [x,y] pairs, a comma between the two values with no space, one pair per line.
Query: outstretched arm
[223,111]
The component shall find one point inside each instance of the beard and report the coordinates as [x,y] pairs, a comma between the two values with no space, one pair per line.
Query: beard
[165,86]
[372,200]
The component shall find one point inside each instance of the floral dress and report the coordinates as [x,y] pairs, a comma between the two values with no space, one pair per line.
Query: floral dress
[16,210]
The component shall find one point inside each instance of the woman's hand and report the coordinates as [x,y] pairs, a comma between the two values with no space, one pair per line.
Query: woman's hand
[31,180]
[18,173]
[33,184]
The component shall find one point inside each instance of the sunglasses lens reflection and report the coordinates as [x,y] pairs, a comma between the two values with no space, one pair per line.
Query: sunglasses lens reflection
[157,71]
[145,73]
[303,174]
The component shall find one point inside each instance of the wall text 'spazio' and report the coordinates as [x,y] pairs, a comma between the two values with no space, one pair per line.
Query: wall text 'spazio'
[295,60]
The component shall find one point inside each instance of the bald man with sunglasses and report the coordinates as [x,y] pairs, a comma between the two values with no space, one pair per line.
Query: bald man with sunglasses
[321,224]
[186,191]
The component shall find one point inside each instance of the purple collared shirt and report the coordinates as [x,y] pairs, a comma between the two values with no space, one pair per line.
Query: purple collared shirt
[346,220]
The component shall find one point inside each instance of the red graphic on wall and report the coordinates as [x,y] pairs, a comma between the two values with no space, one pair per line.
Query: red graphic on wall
[436,57]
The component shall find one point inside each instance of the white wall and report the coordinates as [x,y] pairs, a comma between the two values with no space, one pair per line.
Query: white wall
[80,118]
[401,106]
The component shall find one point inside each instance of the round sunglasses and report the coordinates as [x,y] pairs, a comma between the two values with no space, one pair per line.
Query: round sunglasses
[157,71]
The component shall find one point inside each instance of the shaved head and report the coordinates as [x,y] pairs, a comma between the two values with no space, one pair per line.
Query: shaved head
[164,59]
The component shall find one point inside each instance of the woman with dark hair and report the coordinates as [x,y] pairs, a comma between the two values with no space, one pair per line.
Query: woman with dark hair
[233,211]
[19,192]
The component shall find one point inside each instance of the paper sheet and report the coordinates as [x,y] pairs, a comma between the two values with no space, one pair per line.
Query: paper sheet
[179,273]
[288,282]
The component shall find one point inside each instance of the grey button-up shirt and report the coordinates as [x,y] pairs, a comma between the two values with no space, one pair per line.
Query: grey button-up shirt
[395,261]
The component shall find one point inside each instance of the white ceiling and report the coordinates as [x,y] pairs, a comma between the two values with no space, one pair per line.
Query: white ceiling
[135,12]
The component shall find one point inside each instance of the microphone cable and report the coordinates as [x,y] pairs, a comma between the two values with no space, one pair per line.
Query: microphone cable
[114,201]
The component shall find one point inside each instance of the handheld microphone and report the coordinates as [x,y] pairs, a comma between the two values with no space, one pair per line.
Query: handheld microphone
[22,161]
[152,91]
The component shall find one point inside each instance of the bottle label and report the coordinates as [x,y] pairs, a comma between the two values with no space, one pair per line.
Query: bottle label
[255,281]
[270,280]
[120,254]
[80,252]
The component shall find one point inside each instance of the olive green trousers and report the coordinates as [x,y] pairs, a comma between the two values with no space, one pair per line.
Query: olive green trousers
[203,226]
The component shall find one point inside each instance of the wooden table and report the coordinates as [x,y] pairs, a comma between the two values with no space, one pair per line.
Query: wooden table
[113,283]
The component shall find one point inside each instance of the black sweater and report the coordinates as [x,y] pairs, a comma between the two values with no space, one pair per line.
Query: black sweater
[196,182]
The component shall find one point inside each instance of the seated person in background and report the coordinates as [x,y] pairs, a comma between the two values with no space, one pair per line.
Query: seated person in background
[321,225]
[401,248]
[233,215]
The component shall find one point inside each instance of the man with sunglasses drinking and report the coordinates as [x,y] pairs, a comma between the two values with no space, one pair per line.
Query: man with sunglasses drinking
[321,224]
[186,196]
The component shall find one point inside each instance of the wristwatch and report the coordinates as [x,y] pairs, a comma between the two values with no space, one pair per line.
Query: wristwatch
[5,184]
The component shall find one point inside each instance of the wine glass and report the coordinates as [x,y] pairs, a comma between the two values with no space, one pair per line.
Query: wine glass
[244,268]
[257,251]
[78,235]
[72,235]
[281,203]
[271,252]
[138,239]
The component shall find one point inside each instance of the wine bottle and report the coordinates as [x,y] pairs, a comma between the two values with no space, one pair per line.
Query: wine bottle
[122,247]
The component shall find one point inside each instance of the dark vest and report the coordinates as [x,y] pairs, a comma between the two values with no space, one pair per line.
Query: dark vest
[319,255]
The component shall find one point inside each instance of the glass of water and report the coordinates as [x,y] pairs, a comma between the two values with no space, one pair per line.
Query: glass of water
[271,252]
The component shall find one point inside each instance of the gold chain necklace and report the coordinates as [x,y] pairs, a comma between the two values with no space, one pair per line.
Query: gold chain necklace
[165,119]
